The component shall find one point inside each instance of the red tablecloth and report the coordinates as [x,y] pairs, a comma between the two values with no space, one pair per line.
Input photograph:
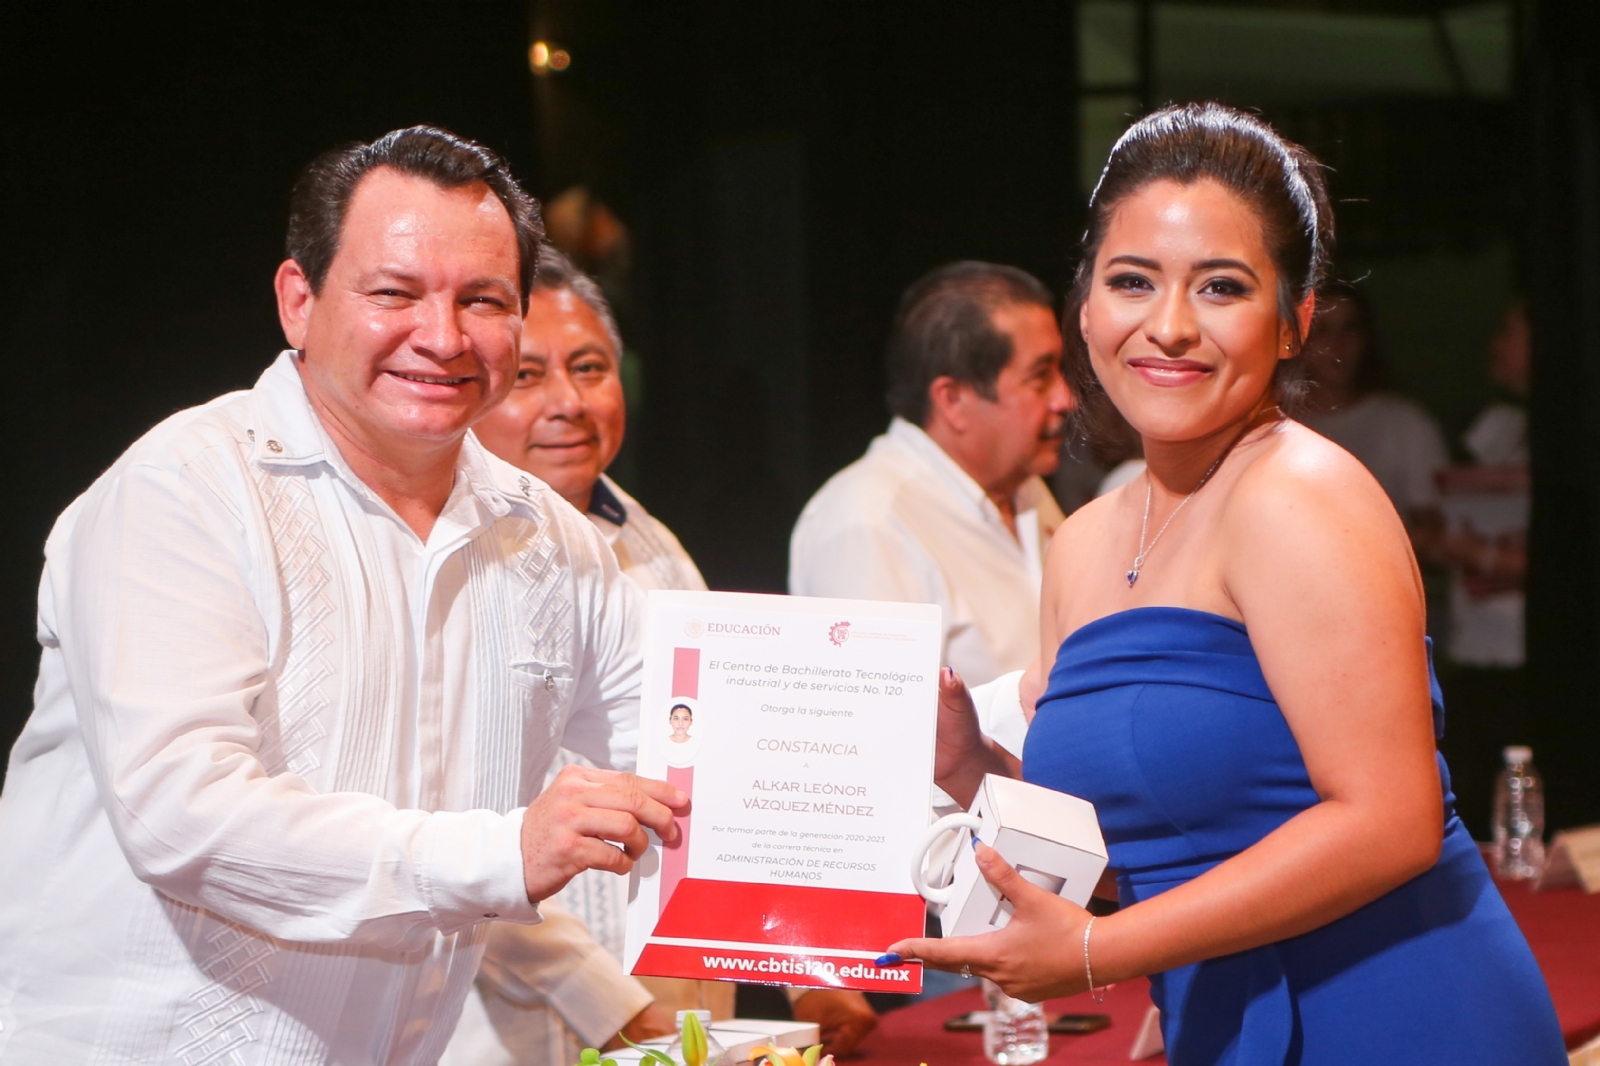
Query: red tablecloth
[1563,928]
[916,1034]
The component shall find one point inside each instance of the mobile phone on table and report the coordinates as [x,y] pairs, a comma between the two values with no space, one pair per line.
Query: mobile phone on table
[972,1022]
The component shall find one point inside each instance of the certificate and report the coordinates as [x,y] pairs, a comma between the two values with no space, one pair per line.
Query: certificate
[803,731]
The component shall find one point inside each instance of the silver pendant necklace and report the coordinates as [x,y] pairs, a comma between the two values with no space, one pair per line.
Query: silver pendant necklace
[1144,527]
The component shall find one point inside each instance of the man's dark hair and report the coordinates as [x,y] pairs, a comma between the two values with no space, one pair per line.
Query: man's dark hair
[944,327]
[323,191]
[557,272]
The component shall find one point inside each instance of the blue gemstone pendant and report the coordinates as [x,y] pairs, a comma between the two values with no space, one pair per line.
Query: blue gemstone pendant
[1133,575]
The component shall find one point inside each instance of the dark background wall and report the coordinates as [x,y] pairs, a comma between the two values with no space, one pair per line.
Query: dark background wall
[1559,141]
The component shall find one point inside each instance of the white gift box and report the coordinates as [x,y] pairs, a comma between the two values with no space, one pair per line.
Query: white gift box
[738,1037]
[741,1036]
[1052,839]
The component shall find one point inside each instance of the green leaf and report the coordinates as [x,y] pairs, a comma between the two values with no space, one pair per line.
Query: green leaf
[812,1054]
[588,1057]
[651,1054]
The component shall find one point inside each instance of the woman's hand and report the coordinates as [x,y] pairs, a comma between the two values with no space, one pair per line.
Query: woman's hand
[962,754]
[1037,956]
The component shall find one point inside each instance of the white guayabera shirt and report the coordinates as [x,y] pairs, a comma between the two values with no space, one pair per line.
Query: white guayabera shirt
[553,989]
[269,798]
[905,522]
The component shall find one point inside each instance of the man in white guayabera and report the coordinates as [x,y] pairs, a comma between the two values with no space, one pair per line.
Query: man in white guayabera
[948,506]
[307,652]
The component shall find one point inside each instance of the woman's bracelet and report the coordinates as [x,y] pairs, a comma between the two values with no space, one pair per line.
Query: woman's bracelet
[1098,997]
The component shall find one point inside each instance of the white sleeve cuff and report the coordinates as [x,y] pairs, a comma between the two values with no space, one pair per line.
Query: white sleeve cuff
[1000,716]
[472,869]
[597,999]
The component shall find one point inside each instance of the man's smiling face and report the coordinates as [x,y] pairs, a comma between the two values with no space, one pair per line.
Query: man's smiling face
[565,418]
[414,334]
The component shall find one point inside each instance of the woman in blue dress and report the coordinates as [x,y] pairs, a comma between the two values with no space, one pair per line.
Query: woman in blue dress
[1242,685]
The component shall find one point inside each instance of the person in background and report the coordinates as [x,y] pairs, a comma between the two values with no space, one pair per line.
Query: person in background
[1487,569]
[1483,541]
[949,506]
[1499,435]
[1349,402]
[558,987]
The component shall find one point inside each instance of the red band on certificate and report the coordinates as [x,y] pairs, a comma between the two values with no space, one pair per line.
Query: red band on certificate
[808,970]
[836,919]
[675,861]
[686,672]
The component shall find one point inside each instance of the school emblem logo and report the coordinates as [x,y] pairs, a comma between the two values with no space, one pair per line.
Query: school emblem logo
[839,632]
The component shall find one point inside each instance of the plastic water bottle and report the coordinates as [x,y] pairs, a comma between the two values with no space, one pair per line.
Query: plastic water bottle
[1014,1033]
[707,1055]
[1519,817]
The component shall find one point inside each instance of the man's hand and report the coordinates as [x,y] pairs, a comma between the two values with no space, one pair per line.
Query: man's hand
[1030,687]
[592,819]
[648,1024]
[844,1017]
[962,754]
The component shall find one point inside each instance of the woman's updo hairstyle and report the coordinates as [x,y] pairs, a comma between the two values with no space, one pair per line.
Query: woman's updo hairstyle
[1187,143]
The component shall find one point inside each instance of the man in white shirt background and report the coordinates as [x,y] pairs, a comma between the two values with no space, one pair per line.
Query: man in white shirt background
[949,506]
[551,989]
[308,650]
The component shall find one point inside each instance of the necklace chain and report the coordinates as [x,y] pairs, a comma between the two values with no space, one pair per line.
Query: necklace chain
[1144,526]
[1149,489]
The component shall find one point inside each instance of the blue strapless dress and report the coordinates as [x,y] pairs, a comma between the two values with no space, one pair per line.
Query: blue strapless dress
[1162,719]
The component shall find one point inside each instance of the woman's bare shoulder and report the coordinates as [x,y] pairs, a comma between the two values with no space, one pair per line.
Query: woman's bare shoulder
[1296,464]
[1305,502]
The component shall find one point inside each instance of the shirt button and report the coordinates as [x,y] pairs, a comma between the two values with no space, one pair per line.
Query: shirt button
[491,914]
[274,446]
